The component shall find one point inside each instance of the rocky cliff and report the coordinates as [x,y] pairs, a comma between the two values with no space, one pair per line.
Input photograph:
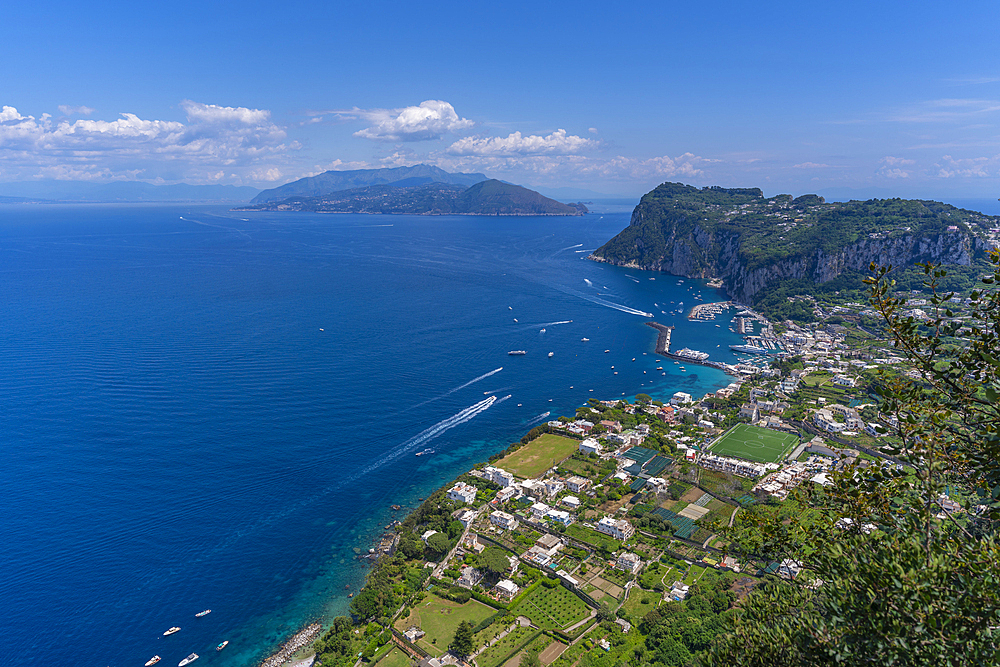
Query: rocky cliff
[755,243]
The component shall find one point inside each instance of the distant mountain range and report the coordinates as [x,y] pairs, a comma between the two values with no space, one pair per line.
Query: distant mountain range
[121,191]
[338,181]
[418,190]
[490,197]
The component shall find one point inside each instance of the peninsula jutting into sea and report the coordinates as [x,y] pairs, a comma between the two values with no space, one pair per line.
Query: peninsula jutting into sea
[632,531]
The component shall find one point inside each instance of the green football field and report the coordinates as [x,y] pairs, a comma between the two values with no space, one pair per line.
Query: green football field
[753,443]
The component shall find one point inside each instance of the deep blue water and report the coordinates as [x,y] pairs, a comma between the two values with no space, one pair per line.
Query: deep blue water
[209,409]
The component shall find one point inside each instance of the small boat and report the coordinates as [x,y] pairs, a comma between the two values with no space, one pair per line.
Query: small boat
[516,353]
[171,631]
[585,339]
[552,354]
[203,613]
[188,660]
[541,331]
[222,645]
[606,351]
[152,661]
[515,319]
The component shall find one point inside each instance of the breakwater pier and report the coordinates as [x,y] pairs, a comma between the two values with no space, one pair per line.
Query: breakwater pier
[663,340]
[663,348]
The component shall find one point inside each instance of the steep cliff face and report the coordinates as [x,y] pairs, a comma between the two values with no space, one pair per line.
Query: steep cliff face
[754,243]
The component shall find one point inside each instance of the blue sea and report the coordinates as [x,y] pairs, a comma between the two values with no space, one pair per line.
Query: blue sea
[208,409]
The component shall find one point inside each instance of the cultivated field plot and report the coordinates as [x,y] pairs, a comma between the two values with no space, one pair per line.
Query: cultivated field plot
[538,455]
[439,618]
[552,608]
[395,658]
[754,444]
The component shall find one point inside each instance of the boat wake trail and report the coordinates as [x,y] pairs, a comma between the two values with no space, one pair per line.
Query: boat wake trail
[535,420]
[571,247]
[604,302]
[552,324]
[429,434]
[452,391]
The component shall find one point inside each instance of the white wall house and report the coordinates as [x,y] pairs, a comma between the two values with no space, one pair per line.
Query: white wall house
[619,529]
[462,493]
[503,520]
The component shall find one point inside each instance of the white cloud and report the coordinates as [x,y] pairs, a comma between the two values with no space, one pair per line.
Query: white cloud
[592,130]
[72,111]
[810,165]
[578,168]
[978,167]
[430,120]
[557,143]
[213,139]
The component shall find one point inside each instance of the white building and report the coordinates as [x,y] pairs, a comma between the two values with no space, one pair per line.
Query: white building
[498,476]
[503,520]
[732,466]
[565,518]
[506,588]
[680,397]
[465,517]
[619,529]
[628,562]
[538,510]
[427,535]
[578,484]
[553,486]
[571,502]
[590,446]
[503,495]
[462,493]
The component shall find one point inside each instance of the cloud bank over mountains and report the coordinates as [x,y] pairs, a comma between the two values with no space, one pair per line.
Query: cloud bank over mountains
[217,143]
[242,145]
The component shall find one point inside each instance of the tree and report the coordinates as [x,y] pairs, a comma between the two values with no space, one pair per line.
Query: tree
[643,398]
[461,644]
[494,560]
[907,580]
[604,612]
[530,659]
[438,544]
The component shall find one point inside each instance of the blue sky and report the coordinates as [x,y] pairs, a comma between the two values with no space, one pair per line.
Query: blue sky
[881,99]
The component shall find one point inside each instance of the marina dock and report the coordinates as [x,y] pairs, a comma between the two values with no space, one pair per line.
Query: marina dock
[663,340]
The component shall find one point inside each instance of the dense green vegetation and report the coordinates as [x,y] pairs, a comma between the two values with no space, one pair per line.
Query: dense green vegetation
[733,233]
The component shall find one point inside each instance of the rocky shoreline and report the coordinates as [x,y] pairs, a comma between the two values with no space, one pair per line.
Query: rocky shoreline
[288,649]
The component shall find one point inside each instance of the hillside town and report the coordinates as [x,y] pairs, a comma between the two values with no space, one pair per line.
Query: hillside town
[582,539]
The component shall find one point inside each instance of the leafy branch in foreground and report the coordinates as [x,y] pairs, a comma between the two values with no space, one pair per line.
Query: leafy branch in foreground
[902,565]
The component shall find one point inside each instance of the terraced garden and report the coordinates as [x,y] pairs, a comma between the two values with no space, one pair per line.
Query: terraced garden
[552,608]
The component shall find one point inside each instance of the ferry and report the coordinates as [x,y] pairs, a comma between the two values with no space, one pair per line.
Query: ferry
[171,631]
[222,645]
[152,661]
[203,613]
[188,660]
[516,353]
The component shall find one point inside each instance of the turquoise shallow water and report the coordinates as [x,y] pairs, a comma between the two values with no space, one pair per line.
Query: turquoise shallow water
[212,409]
